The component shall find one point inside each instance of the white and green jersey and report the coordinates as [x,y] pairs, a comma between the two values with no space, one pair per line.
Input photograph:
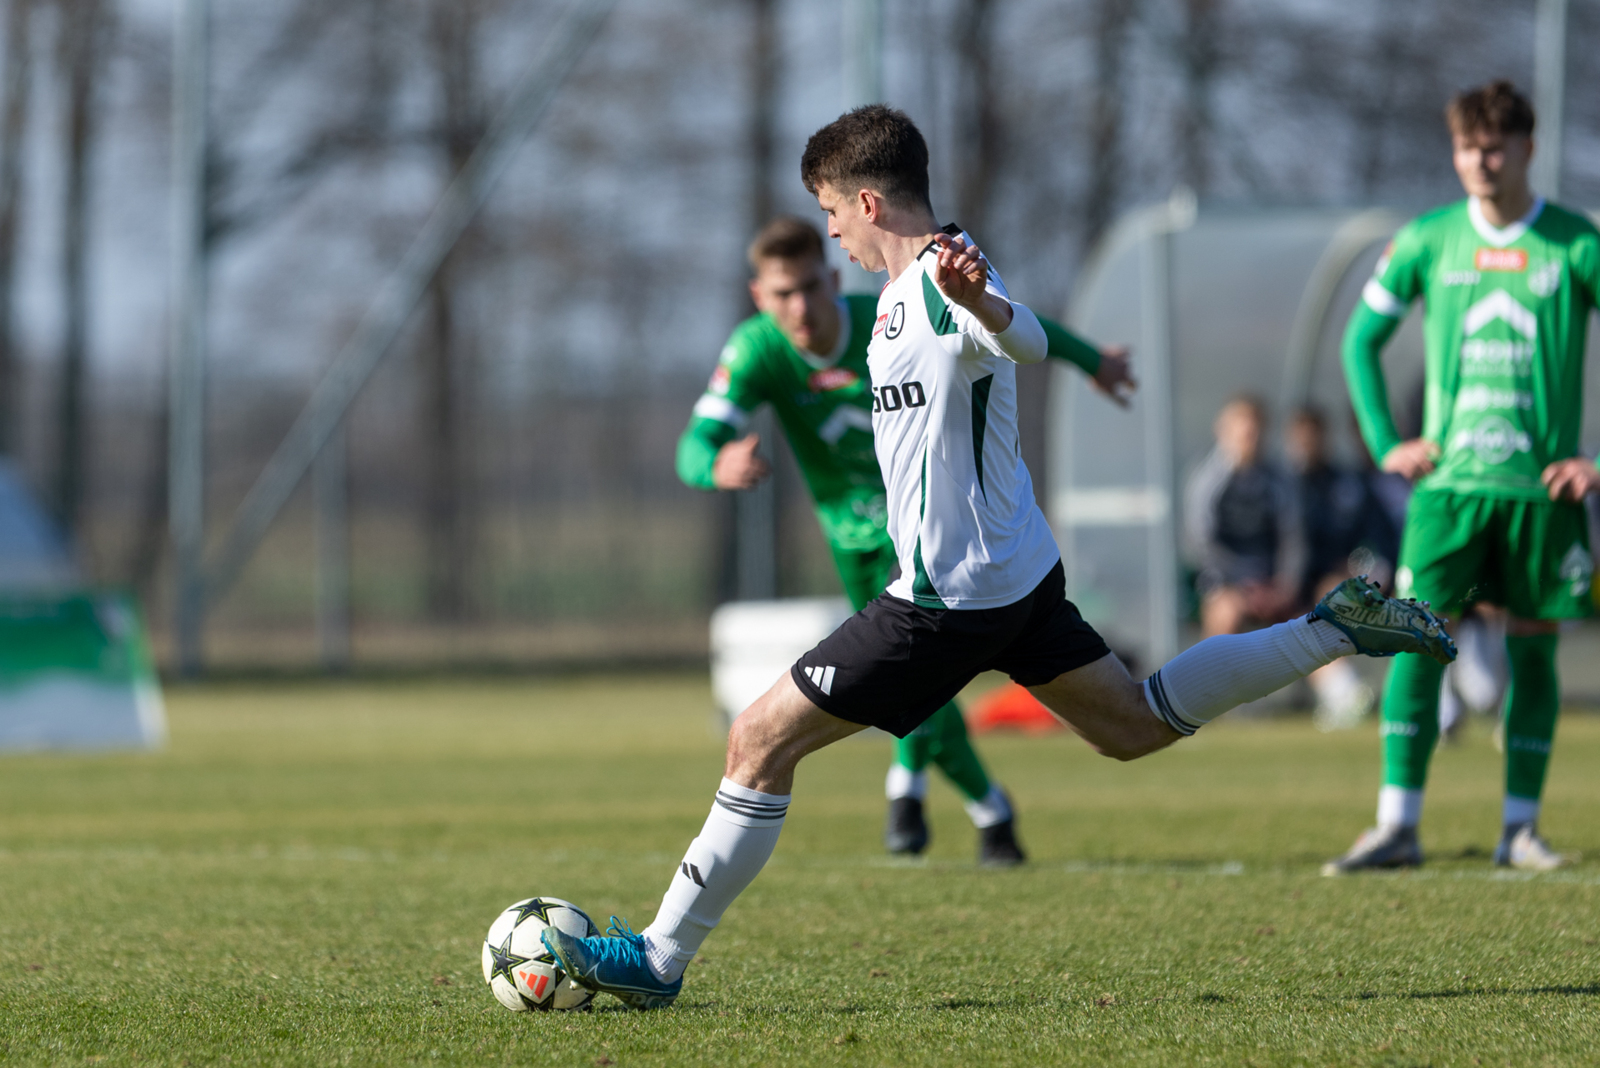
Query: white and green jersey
[961,510]
[1505,322]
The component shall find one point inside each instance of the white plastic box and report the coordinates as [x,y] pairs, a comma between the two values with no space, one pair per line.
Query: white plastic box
[754,642]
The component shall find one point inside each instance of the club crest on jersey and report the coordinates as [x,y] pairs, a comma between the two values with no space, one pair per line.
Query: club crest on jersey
[897,320]
[1501,259]
[1546,280]
[831,378]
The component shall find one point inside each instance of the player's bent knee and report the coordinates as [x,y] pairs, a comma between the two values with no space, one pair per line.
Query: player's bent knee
[755,742]
[774,734]
[1107,709]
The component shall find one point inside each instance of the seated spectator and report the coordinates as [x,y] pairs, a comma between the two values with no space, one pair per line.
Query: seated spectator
[1348,527]
[1242,527]
[1348,531]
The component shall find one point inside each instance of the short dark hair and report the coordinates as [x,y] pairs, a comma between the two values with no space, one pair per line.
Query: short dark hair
[1495,108]
[876,147]
[786,237]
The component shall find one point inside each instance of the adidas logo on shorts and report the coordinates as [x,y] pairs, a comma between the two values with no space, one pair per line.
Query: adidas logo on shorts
[822,677]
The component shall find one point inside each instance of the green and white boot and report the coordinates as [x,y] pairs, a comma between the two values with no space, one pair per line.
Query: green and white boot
[1522,847]
[1379,848]
[1383,626]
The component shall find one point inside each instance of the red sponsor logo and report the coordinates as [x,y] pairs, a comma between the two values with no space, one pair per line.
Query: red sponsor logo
[536,983]
[877,327]
[720,379]
[1500,259]
[832,378]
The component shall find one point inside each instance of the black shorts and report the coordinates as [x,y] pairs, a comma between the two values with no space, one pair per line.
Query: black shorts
[893,664]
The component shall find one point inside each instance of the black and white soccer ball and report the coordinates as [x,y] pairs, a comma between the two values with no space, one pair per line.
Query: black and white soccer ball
[522,973]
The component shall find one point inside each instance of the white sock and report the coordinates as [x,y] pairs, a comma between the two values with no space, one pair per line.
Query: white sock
[1228,670]
[1399,807]
[733,847]
[993,809]
[1519,810]
[903,782]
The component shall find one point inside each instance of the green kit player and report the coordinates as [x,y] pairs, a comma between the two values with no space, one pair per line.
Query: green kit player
[806,355]
[1508,282]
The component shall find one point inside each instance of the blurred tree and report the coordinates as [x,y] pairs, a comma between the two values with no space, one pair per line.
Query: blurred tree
[84,26]
[14,98]
[1110,26]
[1199,56]
[980,131]
[460,124]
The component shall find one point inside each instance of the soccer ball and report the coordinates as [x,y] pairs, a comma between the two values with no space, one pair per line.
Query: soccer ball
[521,972]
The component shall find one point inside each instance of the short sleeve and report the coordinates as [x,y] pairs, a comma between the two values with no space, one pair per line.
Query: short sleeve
[1397,280]
[736,388]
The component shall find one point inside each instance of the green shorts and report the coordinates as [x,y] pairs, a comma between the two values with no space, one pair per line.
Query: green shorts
[1530,557]
[864,572]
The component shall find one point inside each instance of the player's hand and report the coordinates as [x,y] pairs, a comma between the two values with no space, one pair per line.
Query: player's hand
[1571,480]
[738,466]
[1411,459]
[962,275]
[1114,378]
[960,271]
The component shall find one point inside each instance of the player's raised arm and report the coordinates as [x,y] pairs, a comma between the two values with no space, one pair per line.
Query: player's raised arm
[962,275]
[1107,368]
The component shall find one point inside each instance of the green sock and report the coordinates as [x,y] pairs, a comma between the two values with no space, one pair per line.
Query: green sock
[1532,704]
[942,740]
[1410,724]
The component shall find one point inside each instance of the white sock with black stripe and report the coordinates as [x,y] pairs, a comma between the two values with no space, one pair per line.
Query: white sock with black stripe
[1228,670]
[733,847]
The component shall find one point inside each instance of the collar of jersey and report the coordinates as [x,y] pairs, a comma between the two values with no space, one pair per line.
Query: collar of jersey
[953,229]
[1496,236]
[822,363]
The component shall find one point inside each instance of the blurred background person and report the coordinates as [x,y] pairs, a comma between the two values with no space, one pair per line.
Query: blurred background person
[1242,527]
[1476,683]
[1347,531]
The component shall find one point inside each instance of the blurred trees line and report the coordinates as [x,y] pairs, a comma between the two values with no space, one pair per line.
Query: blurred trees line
[510,467]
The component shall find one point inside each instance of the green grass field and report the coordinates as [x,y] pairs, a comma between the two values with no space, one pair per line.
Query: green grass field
[305,876]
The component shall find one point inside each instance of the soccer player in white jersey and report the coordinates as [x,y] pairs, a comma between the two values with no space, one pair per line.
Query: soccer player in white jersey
[981,584]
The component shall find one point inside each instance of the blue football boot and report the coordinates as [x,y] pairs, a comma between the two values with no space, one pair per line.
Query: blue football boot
[615,964]
[1383,626]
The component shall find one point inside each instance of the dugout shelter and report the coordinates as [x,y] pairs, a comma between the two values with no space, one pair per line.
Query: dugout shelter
[1214,302]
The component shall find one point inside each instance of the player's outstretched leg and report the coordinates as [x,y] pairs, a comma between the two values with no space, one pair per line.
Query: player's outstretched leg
[765,743]
[1113,713]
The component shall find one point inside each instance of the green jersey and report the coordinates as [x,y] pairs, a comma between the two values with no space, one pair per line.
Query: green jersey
[824,404]
[1505,323]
